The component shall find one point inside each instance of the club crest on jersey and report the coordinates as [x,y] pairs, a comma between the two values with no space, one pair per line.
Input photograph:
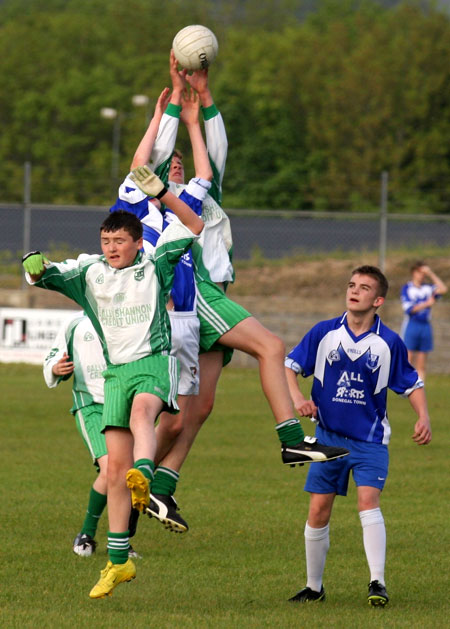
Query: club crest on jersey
[372,361]
[100,279]
[119,298]
[334,356]
[88,336]
[139,275]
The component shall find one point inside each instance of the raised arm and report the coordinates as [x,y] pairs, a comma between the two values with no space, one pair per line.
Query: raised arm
[144,150]
[216,137]
[189,116]
[152,186]
[441,288]
[164,143]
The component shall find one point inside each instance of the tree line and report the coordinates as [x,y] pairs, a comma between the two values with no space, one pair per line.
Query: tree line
[318,98]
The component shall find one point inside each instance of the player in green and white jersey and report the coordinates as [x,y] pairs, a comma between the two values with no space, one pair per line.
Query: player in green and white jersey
[124,293]
[224,324]
[77,352]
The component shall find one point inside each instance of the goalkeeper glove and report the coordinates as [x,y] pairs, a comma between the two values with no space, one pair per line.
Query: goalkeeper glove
[34,262]
[148,182]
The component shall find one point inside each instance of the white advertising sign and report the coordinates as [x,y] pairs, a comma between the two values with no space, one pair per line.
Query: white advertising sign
[26,334]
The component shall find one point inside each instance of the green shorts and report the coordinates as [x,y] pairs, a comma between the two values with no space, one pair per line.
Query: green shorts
[90,423]
[156,374]
[217,315]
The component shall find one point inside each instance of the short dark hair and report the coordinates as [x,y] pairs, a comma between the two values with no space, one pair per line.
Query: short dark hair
[374,271]
[177,153]
[121,219]
[417,265]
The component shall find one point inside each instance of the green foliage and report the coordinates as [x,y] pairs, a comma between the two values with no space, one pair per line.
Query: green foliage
[316,107]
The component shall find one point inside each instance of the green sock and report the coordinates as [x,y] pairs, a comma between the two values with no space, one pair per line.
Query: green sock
[290,432]
[165,481]
[146,466]
[118,545]
[96,504]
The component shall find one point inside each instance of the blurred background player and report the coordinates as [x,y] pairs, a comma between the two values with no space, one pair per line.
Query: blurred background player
[224,325]
[418,297]
[354,358]
[77,352]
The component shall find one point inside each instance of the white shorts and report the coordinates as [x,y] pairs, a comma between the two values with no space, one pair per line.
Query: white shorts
[185,346]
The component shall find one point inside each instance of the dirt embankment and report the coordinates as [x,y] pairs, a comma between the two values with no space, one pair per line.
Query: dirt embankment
[290,298]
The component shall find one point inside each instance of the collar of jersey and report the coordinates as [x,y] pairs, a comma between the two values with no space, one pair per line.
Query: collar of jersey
[375,329]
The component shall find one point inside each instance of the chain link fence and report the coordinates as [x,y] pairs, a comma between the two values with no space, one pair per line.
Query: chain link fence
[70,230]
[269,234]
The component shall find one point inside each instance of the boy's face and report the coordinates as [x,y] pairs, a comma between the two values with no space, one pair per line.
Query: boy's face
[362,294]
[176,170]
[418,275]
[119,248]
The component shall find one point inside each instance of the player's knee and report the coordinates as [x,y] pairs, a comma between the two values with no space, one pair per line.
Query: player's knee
[102,474]
[174,428]
[116,471]
[273,347]
[205,409]
[319,514]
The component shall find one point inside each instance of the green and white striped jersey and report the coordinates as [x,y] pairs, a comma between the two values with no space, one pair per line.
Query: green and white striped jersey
[212,252]
[127,307]
[79,340]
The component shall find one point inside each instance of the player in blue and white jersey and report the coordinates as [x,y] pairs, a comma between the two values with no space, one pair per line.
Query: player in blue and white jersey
[418,297]
[354,359]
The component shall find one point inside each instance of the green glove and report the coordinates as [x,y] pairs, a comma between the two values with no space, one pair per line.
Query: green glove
[148,182]
[34,262]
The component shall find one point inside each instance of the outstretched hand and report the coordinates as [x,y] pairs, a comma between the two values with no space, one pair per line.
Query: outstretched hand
[34,263]
[198,80]
[162,102]
[190,107]
[148,182]
[178,77]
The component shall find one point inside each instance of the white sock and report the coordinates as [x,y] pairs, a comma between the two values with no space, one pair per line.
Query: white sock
[317,543]
[374,537]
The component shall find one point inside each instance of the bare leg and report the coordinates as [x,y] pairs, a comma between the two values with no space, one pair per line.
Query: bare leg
[170,426]
[421,364]
[253,338]
[101,482]
[119,442]
[200,407]
[144,411]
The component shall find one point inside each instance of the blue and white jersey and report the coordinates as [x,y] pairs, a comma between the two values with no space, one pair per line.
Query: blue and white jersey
[411,295]
[352,375]
[132,199]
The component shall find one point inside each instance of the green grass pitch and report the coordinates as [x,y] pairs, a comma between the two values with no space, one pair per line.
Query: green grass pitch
[244,555]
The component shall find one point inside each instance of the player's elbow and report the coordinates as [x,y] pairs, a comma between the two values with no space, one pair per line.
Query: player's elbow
[197,225]
[206,174]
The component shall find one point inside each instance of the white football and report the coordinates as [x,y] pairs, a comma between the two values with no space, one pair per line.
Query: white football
[195,47]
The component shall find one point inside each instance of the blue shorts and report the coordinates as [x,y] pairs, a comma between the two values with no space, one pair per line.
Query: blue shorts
[418,336]
[368,461]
